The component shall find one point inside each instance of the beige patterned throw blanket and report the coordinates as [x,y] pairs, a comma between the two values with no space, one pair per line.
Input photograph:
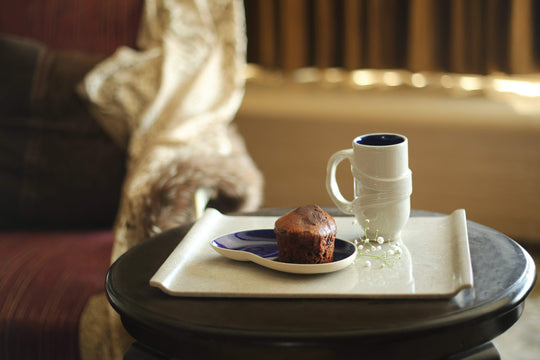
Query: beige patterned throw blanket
[170,104]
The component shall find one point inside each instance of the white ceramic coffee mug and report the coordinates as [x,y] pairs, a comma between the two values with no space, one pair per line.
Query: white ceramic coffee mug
[382,184]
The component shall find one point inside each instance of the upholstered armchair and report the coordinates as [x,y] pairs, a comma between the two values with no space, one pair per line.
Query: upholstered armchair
[115,121]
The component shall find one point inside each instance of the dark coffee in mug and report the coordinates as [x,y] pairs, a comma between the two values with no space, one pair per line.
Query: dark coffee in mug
[380,139]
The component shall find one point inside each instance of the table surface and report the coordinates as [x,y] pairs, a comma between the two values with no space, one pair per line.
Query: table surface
[504,274]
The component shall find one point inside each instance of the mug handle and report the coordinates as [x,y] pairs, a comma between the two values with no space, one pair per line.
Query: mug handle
[331,183]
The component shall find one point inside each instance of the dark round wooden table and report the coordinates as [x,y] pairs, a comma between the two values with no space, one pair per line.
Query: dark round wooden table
[166,327]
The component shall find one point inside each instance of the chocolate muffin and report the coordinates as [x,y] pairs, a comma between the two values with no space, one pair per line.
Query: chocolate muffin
[306,235]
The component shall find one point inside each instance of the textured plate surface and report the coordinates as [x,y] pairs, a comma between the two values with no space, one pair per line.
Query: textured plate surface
[435,263]
[260,247]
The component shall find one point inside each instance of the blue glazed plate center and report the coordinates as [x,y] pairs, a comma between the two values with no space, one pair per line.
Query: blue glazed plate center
[262,243]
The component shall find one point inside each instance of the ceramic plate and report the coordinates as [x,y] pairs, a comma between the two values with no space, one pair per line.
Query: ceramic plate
[260,247]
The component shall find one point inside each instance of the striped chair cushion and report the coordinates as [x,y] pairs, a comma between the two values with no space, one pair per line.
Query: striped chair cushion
[45,281]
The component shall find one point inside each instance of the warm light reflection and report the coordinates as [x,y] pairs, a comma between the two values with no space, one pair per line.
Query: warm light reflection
[418,80]
[392,78]
[333,75]
[307,75]
[446,81]
[470,83]
[363,77]
[519,87]
[251,72]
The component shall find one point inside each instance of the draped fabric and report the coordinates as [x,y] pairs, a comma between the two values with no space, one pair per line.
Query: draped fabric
[457,36]
[170,104]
